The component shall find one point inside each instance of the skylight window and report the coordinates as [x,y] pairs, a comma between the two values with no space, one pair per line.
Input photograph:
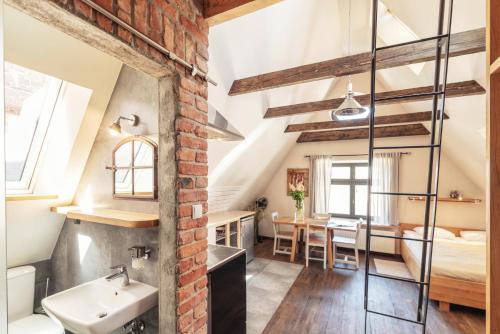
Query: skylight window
[391,30]
[30,99]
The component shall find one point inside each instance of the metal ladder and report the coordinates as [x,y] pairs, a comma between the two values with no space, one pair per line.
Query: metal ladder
[438,103]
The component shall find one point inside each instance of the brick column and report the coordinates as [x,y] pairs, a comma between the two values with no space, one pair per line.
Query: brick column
[192,168]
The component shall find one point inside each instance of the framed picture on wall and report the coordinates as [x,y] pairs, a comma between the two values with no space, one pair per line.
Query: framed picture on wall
[295,176]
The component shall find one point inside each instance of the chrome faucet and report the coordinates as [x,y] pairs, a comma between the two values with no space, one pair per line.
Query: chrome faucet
[122,271]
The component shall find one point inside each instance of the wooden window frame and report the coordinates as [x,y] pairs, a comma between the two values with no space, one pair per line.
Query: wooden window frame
[133,167]
[352,182]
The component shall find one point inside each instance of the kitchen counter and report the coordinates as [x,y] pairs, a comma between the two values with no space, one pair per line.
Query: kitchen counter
[222,218]
[227,297]
[223,221]
[219,255]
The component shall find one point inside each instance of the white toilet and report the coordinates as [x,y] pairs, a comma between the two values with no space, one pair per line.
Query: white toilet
[21,297]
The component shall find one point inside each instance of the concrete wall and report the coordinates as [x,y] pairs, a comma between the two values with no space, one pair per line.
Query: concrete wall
[135,93]
[86,251]
[42,273]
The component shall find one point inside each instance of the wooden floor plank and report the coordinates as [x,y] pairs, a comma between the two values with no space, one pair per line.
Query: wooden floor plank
[321,302]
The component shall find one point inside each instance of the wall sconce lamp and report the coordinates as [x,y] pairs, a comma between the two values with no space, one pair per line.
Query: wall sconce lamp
[116,128]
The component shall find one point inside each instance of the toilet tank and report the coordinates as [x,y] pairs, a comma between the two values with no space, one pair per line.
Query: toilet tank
[20,292]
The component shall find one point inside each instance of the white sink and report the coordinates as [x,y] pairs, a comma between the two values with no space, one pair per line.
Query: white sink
[99,306]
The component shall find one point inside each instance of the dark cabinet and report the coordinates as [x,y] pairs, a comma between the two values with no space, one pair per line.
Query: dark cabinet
[227,296]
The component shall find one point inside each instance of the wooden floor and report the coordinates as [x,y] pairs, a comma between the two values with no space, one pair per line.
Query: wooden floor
[332,302]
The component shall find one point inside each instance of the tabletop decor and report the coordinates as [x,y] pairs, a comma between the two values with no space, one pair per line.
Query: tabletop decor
[298,195]
[455,194]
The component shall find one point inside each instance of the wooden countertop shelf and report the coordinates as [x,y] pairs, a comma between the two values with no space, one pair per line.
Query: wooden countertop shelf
[225,217]
[448,199]
[113,217]
[29,197]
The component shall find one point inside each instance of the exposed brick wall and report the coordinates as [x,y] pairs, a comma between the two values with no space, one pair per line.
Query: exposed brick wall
[178,26]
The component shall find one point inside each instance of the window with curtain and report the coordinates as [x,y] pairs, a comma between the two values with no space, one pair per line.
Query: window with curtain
[320,183]
[385,178]
[348,190]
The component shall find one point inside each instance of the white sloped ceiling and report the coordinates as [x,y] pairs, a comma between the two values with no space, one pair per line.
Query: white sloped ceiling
[296,32]
[35,45]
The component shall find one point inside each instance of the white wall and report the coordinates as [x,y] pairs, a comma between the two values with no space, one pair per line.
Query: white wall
[287,34]
[412,179]
[32,230]
[294,33]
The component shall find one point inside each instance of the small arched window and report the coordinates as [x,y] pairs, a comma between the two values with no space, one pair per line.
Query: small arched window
[135,168]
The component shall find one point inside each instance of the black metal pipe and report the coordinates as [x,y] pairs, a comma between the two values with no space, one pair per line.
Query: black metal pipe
[395,278]
[371,136]
[395,317]
[192,67]
[402,194]
[403,147]
[424,266]
[413,42]
[400,97]
[440,136]
[352,155]
[399,238]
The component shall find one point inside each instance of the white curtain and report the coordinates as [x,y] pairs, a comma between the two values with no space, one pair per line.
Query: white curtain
[321,166]
[385,178]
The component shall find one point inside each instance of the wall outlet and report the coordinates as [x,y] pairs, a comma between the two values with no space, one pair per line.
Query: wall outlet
[197,211]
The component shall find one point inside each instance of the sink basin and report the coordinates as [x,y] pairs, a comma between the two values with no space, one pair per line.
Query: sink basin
[99,306]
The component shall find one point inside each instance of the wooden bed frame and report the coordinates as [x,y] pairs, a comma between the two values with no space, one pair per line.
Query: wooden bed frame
[447,290]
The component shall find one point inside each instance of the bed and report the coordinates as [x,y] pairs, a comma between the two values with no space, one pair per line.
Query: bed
[458,268]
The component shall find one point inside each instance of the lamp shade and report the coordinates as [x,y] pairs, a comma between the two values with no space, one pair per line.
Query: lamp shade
[350,108]
[115,128]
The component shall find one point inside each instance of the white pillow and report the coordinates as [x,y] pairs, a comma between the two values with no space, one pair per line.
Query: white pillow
[439,233]
[473,235]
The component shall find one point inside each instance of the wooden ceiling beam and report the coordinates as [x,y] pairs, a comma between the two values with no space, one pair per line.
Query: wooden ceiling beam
[415,117]
[456,89]
[219,11]
[462,43]
[362,133]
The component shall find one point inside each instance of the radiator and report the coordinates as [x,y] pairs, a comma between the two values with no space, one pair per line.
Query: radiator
[380,245]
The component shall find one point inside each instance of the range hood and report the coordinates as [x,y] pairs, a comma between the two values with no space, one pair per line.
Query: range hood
[219,128]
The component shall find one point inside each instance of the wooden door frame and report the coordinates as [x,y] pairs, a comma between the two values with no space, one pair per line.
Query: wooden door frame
[3,225]
[493,168]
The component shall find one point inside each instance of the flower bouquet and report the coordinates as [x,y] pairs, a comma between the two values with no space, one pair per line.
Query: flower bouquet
[297,192]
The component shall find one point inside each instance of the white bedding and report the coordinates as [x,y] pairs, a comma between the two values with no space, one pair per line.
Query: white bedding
[457,258]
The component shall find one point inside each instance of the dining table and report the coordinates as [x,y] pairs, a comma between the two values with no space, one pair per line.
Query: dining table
[299,225]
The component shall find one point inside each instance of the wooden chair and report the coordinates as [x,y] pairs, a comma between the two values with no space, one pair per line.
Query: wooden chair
[348,240]
[316,237]
[280,234]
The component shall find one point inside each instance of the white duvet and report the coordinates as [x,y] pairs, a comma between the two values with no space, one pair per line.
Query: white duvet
[453,258]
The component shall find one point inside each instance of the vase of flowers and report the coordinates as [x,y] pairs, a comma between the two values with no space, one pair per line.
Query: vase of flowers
[298,194]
